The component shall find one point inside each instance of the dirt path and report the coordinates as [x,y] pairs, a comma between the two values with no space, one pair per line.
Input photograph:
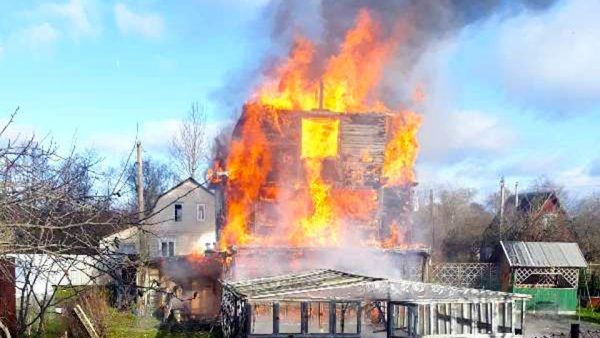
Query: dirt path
[540,325]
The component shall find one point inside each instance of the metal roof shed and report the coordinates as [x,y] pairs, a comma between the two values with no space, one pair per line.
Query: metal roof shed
[549,271]
[543,254]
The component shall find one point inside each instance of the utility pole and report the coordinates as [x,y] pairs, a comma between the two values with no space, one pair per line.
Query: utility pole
[516,194]
[143,249]
[432,219]
[502,206]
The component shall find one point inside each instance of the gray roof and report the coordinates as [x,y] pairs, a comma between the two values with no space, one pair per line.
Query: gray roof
[543,254]
[336,285]
[297,282]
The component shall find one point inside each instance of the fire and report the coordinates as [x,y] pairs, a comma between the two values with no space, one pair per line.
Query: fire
[395,239]
[402,148]
[315,210]
[349,79]
[248,163]
[319,138]
[353,74]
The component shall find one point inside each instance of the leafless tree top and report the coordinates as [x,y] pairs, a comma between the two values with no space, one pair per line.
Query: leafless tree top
[188,146]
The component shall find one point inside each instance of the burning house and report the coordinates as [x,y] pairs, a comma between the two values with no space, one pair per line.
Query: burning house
[319,166]
[318,179]
[317,187]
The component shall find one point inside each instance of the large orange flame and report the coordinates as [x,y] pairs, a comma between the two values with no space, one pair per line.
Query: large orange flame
[315,210]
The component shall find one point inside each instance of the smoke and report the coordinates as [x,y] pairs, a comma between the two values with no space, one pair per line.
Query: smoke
[415,27]
[415,24]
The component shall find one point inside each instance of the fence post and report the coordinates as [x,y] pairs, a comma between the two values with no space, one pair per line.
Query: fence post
[574,330]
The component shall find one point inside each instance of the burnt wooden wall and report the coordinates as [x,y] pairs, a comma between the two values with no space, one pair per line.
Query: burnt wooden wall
[362,148]
[359,165]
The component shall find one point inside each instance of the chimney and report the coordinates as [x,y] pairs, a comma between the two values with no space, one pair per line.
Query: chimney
[321,95]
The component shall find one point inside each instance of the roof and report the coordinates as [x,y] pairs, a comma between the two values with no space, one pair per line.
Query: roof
[336,285]
[189,179]
[532,201]
[296,282]
[543,254]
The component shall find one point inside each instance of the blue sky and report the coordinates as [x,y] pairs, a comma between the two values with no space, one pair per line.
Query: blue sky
[518,96]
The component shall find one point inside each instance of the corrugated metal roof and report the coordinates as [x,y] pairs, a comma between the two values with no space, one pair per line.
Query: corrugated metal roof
[543,254]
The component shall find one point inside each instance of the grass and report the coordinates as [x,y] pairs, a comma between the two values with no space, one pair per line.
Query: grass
[587,315]
[126,325]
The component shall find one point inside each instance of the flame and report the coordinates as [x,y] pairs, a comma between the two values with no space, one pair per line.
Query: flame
[319,138]
[248,163]
[315,210]
[349,79]
[396,237]
[402,148]
[353,74]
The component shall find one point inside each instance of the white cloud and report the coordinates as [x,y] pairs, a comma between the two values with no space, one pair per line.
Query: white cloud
[552,58]
[445,136]
[39,36]
[145,24]
[77,13]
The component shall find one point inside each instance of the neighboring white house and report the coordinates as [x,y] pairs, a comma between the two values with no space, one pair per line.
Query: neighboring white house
[182,222]
[43,272]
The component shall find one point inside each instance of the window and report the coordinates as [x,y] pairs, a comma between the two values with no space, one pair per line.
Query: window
[201,212]
[318,317]
[262,318]
[167,248]
[346,318]
[290,317]
[178,212]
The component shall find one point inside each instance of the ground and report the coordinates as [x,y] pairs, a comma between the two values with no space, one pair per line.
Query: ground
[543,325]
[126,325]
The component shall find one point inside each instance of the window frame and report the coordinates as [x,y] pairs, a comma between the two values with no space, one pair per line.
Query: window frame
[166,242]
[175,206]
[203,205]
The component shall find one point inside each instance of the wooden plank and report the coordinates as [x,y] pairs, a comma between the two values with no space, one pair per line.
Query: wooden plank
[480,315]
[505,317]
[494,315]
[523,317]
[304,317]
[275,318]
[431,320]
[513,317]
[447,320]
[87,324]
[453,323]
[474,330]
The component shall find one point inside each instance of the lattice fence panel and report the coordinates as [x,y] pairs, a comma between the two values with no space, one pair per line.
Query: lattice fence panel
[550,276]
[472,275]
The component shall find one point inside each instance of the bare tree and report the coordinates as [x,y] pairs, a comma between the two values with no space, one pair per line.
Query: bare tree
[459,220]
[52,218]
[59,213]
[585,224]
[157,176]
[189,146]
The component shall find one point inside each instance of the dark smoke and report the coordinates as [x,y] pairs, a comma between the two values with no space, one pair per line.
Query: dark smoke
[423,23]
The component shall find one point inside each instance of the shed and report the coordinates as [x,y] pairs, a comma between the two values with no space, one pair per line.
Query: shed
[330,303]
[549,271]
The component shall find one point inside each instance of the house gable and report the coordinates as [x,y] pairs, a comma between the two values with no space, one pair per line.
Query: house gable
[185,216]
